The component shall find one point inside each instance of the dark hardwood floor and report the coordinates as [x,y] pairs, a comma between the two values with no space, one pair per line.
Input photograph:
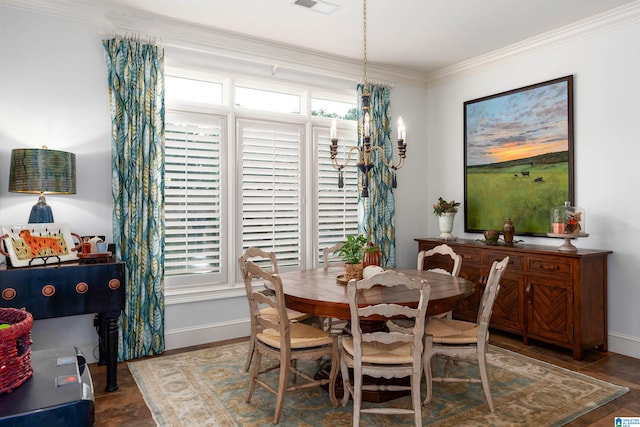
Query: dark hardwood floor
[126,406]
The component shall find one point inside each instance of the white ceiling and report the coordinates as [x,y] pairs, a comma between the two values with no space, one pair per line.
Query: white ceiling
[421,35]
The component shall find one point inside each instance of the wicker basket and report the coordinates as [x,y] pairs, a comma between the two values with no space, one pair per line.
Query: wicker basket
[15,348]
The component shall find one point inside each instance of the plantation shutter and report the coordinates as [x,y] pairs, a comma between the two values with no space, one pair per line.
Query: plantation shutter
[193,193]
[272,188]
[337,207]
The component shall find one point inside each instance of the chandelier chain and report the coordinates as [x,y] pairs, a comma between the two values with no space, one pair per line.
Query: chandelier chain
[364,39]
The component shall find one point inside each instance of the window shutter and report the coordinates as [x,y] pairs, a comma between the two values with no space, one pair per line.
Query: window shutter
[272,188]
[193,193]
[337,207]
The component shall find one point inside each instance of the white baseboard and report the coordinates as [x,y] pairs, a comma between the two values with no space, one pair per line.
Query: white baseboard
[203,334]
[624,344]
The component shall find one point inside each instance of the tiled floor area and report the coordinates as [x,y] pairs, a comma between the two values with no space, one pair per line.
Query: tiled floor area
[126,407]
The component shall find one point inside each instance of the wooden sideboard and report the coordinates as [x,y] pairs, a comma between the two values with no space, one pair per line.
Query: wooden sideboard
[546,294]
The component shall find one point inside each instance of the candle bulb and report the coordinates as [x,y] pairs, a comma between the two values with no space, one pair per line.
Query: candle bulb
[366,124]
[334,130]
[402,132]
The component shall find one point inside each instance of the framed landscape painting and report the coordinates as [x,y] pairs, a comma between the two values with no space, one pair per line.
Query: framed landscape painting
[518,157]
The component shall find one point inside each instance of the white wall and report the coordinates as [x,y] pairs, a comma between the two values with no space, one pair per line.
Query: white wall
[606,69]
[53,91]
[53,88]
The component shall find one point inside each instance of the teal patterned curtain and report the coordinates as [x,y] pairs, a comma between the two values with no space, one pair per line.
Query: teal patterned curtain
[376,213]
[136,93]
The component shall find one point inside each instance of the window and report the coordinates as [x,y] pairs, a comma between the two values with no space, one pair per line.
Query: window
[272,188]
[267,100]
[193,193]
[265,179]
[328,108]
[189,91]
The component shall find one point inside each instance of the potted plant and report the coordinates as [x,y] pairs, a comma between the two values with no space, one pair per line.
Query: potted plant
[445,211]
[352,252]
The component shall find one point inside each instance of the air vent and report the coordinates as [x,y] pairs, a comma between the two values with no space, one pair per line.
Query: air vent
[317,5]
[305,3]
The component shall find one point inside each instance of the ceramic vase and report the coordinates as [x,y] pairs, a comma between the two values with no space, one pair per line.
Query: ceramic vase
[445,222]
[508,230]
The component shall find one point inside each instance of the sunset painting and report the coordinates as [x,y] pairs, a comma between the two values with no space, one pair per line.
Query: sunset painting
[518,157]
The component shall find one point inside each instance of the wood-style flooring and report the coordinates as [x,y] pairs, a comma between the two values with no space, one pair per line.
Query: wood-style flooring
[126,406]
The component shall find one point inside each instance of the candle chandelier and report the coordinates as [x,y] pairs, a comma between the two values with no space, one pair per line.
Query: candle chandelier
[366,150]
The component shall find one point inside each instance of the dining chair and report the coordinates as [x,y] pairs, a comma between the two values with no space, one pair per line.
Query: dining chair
[384,354]
[462,341]
[334,325]
[328,251]
[432,259]
[427,260]
[269,260]
[286,342]
[454,265]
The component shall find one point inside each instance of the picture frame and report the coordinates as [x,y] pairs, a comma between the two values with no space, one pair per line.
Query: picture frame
[518,157]
[29,245]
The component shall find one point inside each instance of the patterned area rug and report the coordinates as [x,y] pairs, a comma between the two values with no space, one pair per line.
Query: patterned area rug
[208,388]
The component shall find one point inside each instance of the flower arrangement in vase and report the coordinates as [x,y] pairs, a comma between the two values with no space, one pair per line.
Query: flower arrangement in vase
[445,211]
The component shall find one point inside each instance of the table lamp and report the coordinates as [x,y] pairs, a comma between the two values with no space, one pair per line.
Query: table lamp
[42,171]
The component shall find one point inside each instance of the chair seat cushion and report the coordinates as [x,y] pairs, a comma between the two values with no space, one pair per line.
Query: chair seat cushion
[450,331]
[302,336]
[272,314]
[381,354]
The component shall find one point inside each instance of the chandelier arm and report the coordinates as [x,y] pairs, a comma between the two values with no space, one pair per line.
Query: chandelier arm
[382,157]
[340,166]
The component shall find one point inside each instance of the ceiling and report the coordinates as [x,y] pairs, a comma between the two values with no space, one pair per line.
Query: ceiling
[419,35]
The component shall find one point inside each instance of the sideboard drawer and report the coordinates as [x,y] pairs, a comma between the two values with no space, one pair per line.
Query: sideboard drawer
[469,256]
[515,261]
[550,266]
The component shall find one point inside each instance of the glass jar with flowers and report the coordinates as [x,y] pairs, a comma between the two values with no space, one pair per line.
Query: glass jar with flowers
[446,211]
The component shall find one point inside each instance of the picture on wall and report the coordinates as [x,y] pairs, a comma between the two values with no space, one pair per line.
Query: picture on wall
[518,157]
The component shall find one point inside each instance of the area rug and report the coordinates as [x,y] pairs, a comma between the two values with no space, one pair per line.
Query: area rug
[208,388]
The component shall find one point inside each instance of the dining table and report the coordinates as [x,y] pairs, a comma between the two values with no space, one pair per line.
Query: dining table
[321,292]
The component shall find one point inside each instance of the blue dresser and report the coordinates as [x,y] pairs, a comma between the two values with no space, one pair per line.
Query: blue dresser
[69,289]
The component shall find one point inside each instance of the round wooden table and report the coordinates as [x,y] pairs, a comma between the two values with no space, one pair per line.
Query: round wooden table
[318,292]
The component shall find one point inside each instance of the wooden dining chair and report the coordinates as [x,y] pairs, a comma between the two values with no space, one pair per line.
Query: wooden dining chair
[433,259]
[461,341]
[334,325]
[328,251]
[269,261]
[384,354]
[439,259]
[436,253]
[285,341]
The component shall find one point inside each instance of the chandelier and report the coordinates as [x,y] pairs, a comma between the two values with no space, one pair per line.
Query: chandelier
[366,150]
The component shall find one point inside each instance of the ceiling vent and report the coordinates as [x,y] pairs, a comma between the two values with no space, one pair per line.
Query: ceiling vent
[317,5]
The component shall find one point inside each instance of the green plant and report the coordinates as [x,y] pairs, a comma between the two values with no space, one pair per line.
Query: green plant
[444,207]
[353,249]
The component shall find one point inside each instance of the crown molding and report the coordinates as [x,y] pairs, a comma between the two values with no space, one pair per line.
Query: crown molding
[236,46]
[611,20]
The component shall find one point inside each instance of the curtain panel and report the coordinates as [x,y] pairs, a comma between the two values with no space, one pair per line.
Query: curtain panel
[376,213]
[136,94]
